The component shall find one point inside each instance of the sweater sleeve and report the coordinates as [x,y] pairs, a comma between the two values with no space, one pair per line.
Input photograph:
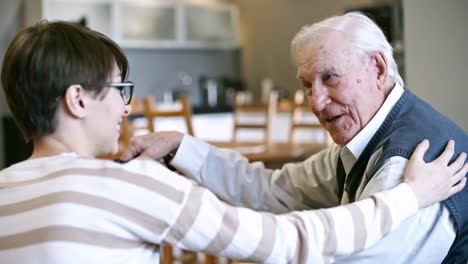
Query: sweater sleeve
[208,224]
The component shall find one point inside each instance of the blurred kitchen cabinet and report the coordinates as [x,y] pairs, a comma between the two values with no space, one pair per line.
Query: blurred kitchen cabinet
[147,23]
[96,14]
[214,25]
[165,24]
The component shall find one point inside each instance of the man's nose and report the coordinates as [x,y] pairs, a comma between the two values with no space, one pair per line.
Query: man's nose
[318,98]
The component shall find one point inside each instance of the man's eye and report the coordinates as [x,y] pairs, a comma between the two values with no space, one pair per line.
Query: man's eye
[330,78]
[327,76]
[307,84]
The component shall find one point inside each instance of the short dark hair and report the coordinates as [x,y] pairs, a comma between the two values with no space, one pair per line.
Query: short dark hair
[43,60]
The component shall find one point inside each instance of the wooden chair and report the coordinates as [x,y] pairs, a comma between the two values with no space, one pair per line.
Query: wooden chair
[129,127]
[150,111]
[265,111]
[181,108]
[302,118]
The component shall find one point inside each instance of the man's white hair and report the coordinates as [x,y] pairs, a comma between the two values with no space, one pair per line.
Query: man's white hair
[360,30]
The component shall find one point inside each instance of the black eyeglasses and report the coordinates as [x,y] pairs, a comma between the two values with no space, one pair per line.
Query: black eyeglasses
[125,88]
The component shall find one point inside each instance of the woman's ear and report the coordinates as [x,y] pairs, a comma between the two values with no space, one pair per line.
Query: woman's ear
[380,63]
[75,100]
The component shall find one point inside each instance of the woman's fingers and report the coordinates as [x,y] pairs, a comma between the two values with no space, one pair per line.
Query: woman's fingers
[458,187]
[458,163]
[420,150]
[445,157]
[459,175]
[436,180]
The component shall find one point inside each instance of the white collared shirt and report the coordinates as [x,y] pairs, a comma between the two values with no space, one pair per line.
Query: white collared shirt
[351,151]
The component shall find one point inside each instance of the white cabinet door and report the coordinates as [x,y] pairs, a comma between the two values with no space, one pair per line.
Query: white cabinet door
[211,25]
[146,24]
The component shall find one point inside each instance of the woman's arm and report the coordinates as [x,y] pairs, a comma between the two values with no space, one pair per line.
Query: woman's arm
[207,224]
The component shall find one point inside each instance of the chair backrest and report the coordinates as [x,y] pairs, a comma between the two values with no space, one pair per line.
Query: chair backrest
[181,108]
[254,116]
[302,118]
[129,128]
[144,112]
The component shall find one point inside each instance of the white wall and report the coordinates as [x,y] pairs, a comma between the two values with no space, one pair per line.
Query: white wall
[436,50]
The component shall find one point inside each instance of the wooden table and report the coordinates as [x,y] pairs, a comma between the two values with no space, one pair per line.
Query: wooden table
[274,155]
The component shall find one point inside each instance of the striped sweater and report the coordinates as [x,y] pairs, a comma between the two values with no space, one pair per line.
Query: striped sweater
[70,209]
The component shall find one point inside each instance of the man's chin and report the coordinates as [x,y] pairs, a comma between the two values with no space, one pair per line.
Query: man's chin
[340,139]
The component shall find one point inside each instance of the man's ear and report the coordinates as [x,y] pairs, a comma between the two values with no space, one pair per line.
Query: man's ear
[380,62]
[75,100]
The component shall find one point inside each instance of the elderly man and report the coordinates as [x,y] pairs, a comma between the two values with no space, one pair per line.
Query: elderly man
[346,67]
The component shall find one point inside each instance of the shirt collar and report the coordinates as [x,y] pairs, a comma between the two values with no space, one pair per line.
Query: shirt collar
[359,142]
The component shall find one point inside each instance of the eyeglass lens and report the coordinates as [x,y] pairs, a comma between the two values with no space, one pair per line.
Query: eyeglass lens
[126,94]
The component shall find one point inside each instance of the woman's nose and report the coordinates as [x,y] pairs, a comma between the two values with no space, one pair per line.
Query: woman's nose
[127,110]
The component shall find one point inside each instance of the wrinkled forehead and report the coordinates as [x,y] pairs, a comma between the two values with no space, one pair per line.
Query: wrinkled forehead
[326,44]
[327,50]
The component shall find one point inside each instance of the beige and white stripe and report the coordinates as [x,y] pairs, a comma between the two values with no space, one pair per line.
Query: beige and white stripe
[66,234]
[140,218]
[120,174]
[43,200]
[175,211]
[372,215]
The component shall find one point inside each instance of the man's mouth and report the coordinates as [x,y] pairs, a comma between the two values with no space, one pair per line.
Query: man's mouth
[333,119]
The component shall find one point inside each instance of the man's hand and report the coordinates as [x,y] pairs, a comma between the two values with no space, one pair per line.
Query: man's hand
[437,180]
[155,145]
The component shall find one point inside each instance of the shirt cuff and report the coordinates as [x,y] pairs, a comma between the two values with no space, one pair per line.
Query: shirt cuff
[190,156]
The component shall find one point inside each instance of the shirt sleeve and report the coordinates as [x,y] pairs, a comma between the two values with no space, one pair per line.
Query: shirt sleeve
[306,185]
[208,224]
